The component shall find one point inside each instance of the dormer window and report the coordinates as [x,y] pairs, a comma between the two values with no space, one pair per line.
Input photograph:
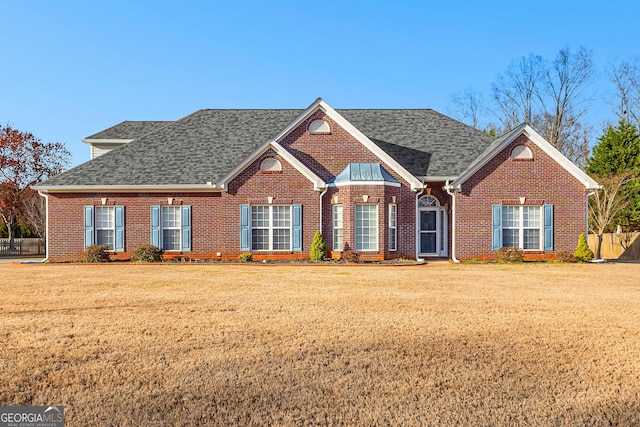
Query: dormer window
[270,165]
[521,152]
[319,126]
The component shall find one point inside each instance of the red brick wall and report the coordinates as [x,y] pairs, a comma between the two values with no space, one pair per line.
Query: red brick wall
[541,179]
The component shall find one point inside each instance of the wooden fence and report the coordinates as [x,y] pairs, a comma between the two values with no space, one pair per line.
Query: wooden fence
[23,247]
[624,246]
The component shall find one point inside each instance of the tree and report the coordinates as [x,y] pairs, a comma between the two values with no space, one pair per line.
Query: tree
[469,106]
[618,152]
[606,203]
[625,76]
[548,95]
[24,161]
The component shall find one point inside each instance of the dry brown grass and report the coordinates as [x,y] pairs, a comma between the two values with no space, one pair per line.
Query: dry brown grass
[138,345]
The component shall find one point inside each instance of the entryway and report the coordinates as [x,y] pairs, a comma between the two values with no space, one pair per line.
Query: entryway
[432,233]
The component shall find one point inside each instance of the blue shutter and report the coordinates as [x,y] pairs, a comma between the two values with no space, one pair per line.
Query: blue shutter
[245,236]
[496,224]
[88,226]
[185,216]
[548,227]
[119,229]
[155,227]
[296,228]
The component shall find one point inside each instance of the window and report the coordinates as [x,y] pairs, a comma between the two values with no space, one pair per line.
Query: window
[525,227]
[271,228]
[171,224]
[104,225]
[366,225]
[337,227]
[393,234]
[171,227]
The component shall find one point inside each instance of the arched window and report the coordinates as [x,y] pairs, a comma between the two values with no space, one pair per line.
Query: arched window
[319,126]
[520,152]
[270,165]
[428,201]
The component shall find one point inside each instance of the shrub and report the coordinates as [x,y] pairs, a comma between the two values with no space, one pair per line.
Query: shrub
[147,252]
[509,254]
[583,253]
[245,258]
[96,253]
[318,250]
[565,256]
[349,254]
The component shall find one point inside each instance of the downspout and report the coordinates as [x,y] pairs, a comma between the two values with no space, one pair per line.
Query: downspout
[46,197]
[447,188]
[586,234]
[417,233]
[321,196]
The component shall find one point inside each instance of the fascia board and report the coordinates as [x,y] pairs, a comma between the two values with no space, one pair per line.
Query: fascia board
[124,188]
[107,141]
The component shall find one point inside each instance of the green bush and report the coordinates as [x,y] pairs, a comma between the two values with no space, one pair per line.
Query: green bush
[565,256]
[583,253]
[245,258]
[147,252]
[510,254]
[318,248]
[96,253]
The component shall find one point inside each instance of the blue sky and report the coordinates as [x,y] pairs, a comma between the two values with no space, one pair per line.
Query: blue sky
[73,68]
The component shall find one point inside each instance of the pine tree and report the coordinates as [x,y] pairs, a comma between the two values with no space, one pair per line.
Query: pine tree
[618,152]
[318,250]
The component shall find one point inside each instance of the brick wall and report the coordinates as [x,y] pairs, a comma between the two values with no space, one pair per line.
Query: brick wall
[541,180]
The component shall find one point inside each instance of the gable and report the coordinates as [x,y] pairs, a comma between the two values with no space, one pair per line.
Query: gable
[501,149]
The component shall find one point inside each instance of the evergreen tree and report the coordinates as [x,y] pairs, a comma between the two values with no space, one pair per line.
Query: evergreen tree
[618,152]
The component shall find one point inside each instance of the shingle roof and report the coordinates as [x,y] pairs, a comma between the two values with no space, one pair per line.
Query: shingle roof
[206,145]
[129,130]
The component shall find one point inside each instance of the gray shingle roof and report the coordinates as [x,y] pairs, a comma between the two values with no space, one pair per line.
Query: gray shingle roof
[129,130]
[206,145]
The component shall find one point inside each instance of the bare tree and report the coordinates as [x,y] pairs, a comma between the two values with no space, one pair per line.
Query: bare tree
[468,106]
[517,91]
[625,76]
[33,212]
[605,204]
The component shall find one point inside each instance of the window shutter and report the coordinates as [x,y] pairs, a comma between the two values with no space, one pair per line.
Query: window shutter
[245,236]
[185,215]
[119,228]
[296,228]
[496,223]
[548,227]
[155,227]
[88,226]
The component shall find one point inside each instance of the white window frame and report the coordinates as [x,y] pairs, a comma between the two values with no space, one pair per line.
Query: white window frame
[100,221]
[520,227]
[393,227]
[372,245]
[163,228]
[338,227]
[271,227]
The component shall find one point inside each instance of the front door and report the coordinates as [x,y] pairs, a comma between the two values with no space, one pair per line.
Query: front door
[432,234]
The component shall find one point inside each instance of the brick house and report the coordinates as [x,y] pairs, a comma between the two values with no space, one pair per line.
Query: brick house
[385,183]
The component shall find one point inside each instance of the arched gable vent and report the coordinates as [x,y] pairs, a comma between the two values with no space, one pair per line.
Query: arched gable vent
[319,126]
[520,152]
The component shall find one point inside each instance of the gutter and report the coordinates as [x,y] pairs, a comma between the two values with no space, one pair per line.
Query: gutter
[448,189]
[46,197]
